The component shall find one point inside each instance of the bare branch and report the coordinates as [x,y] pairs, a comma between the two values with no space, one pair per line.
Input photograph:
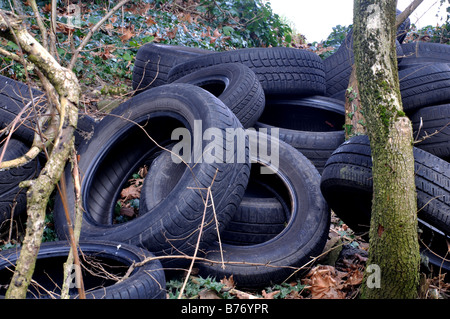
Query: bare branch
[68,89]
[407,12]
[41,25]
[87,38]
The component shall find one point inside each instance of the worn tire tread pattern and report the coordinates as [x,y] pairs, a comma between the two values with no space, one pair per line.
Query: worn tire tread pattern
[281,71]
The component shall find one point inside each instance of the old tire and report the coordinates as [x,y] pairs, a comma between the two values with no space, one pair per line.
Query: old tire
[235,85]
[144,282]
[13,199]
[259,217]
[281,71]
[431,127]
[15,99]
[347,185]
[154,61]
[338,67]
[424,85]
[297,182]
[119,147]
[312,125]
[424,52]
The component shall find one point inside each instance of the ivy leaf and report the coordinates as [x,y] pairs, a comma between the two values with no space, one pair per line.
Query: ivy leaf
[127,57]
[12,45]
[227,31]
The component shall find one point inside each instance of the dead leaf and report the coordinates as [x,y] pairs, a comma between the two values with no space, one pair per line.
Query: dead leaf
[47,8]
[149,21]
[127,34]
[131,192]
[354,278]
[323,284]
[269,295]
[172,33]
[216,33]
[138,9]
[228,282]
[185,29]
[208,294]
[108,26]
[127,211]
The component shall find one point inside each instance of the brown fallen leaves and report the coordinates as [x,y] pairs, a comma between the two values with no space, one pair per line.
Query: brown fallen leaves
[322,282]
[132,192]
[325,282]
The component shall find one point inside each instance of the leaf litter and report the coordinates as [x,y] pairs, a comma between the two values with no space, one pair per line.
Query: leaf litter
[333,277]
[127,206]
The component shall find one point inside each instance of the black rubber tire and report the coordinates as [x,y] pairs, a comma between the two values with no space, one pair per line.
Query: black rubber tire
[154,61]
[119,147]
[434,247]
[259,217]
[297,182]
[313,125]
[347,185]
[236,85]
[11,195]
[424,85]
[15,95]
[424,52]
[338,68]
[85,130]
[426,122]
[145,282]
[281,71]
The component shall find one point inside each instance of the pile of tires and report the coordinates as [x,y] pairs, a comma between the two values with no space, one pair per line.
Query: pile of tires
[245,151]
[19,108]
[261,217]
[346,181]
[212,196]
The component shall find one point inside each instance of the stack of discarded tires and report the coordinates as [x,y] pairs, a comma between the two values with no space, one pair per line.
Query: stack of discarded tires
[257,214]
[254,205]
[116,258]
[346,182]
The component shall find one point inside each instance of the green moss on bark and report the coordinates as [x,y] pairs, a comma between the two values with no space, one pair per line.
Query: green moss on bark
[393,232]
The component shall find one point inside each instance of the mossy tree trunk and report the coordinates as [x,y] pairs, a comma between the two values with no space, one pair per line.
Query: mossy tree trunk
[393,231]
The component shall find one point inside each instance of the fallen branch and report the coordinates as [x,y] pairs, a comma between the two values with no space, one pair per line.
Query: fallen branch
[39,190]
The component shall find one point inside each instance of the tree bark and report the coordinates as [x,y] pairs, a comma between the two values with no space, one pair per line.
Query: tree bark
[40,189]
[393,232]
[355,123]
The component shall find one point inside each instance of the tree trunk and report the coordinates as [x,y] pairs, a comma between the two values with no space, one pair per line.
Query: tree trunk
[40,189]
[394,248]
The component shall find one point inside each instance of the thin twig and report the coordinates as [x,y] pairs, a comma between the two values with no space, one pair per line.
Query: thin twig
[41,25]
[87,38]
[73,254]
[218,232]
[196,246]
